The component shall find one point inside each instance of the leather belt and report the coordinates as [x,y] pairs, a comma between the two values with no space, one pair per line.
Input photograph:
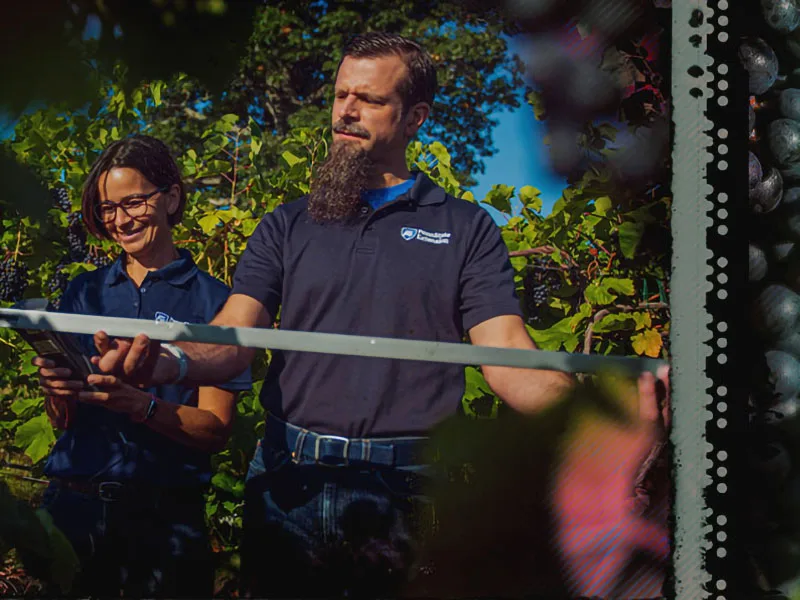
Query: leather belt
[338,451]
[114,491]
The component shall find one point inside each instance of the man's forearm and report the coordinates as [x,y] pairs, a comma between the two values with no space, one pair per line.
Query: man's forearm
[529,390]
[210,364]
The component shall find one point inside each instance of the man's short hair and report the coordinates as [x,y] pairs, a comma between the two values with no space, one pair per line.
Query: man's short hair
[421,83]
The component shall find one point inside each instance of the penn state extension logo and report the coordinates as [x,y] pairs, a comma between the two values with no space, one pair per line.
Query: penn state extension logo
[431,237]
[408,233]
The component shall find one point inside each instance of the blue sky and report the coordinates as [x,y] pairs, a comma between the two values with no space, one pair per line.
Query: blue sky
[521,159]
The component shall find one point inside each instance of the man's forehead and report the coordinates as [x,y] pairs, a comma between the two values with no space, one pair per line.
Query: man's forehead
[379,73]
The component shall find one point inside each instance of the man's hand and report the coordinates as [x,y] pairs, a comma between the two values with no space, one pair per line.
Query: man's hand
[138,361]
[592,498]
[654,400]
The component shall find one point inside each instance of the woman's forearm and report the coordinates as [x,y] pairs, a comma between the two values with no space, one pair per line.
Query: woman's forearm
[188,425]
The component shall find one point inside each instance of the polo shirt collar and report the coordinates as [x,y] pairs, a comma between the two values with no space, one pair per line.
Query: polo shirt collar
[425,192]
[177,272]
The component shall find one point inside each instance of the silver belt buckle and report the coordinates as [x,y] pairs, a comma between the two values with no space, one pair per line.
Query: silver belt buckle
[108,485]
[331,437]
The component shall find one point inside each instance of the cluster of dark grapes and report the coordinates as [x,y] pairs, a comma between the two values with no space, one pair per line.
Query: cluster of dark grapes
[774,280]
[76,237]
[61,199]
[97,260]
[540,281]
[77,250]
[57,284]
[13,279]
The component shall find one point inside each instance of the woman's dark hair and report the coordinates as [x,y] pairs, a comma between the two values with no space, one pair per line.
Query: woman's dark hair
[148,155]
[421,83]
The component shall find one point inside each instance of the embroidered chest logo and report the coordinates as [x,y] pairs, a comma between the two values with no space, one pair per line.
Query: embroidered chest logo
[431,237]
[162,317]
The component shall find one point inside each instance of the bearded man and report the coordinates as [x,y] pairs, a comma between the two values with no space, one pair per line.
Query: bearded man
[373,250]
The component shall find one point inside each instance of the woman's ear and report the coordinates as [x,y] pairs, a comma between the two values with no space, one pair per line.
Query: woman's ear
[173,199]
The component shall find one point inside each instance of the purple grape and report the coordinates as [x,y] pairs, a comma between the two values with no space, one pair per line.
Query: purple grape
[767,193]
[782,15]
[784,141]
[784,378]
[761,64]
[789,103]
[754,169]
[776,311]
[758,263]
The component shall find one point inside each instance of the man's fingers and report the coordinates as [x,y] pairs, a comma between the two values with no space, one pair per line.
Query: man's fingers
[113,355]
[102,342]
[648,401]
[666,401]
[137,355]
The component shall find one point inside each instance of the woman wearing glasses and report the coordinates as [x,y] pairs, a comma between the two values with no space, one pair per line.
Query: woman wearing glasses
[129,473]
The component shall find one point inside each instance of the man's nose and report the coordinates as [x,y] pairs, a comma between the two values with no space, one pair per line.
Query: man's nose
[348,110]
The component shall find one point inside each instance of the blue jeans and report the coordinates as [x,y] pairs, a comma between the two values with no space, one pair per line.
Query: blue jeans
[142,546]
[312,530]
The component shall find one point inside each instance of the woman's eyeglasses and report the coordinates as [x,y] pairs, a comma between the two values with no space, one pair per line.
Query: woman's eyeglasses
[133,206]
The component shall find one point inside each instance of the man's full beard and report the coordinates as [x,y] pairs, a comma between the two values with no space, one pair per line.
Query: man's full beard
[335,191]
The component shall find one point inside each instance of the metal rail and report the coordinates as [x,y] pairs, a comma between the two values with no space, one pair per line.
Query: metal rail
[327,343]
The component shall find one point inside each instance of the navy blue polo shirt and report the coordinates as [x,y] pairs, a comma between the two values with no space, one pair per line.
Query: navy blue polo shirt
[425,266]
[106,444]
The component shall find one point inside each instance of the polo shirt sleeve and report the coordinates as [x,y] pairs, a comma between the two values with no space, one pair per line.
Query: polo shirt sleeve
[487,278]
[259,273]
[242,382]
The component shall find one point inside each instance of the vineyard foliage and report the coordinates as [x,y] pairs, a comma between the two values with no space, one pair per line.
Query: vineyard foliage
[591,274]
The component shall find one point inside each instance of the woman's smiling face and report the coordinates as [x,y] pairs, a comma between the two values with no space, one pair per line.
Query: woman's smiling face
[147,226]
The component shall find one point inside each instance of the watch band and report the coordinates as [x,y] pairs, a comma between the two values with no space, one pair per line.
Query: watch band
[183,361]
[151,409]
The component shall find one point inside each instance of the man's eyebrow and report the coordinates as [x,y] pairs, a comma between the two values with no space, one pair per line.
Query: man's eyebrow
[364,95]
[372,96]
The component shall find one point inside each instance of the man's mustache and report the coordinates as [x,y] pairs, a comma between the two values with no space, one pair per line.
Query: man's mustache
[351,129]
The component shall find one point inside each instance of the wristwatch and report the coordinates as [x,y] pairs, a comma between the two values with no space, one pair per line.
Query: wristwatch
[151,409]
[183,361]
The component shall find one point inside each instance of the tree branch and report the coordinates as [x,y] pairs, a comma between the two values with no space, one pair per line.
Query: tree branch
[587,339]
[542,250]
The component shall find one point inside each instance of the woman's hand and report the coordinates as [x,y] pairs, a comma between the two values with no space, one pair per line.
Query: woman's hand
[116,395]
[60,392]
[61,410]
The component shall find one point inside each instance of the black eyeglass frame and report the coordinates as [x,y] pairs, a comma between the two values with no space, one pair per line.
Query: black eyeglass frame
[118,205]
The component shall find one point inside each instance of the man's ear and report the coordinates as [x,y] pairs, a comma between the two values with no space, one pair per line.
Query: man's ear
[173,199]
[417,115]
